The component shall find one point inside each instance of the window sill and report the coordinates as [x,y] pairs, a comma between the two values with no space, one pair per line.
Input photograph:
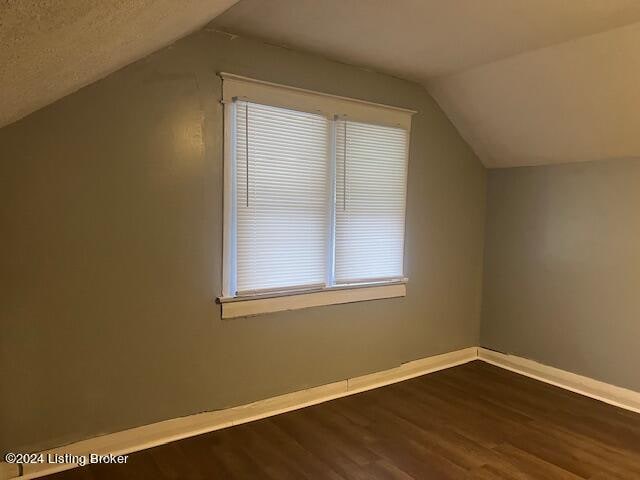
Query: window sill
[244,307]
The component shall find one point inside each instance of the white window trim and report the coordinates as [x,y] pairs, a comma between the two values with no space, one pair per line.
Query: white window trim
[268,93]
[277,302]
[238,87]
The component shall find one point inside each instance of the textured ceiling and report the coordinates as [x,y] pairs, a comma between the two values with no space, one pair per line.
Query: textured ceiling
[50,48]
[526,82]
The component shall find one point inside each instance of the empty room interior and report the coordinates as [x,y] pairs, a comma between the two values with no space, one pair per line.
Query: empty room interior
[320,239]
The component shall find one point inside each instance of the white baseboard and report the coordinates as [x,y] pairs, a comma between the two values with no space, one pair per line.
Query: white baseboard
[618,396]
[135,439]
[8,470]
[141,438]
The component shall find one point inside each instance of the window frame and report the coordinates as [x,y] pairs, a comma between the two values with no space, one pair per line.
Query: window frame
[236,87]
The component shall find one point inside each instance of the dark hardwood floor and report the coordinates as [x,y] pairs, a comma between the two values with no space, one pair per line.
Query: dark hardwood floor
[475,421]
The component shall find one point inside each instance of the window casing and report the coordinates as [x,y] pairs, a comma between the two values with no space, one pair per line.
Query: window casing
[315,191]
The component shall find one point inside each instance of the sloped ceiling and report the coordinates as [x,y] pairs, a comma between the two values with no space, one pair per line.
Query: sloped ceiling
[576,101]
[526,82]
[50,48]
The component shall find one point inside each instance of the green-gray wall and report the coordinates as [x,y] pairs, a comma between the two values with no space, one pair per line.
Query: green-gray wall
[562,267]
[111,210]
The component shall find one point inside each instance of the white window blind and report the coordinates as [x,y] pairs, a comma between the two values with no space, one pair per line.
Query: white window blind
[371,166]
[315,190]
[281,198]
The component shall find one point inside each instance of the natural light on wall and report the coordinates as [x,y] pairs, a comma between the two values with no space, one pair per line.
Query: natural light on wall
[315,195]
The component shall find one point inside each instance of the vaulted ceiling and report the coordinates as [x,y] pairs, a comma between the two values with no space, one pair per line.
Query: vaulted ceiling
[575,101]
[525,82]
[50,48]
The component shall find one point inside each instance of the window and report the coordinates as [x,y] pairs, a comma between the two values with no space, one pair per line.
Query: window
[315,193]
[370,202]
[282,212]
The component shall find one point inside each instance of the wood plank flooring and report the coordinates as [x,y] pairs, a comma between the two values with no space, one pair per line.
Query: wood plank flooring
[475,421]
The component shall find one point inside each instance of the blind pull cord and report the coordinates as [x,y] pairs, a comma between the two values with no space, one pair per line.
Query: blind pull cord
[246,145]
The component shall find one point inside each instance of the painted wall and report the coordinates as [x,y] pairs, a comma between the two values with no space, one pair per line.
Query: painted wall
[562,267]
[111,208]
